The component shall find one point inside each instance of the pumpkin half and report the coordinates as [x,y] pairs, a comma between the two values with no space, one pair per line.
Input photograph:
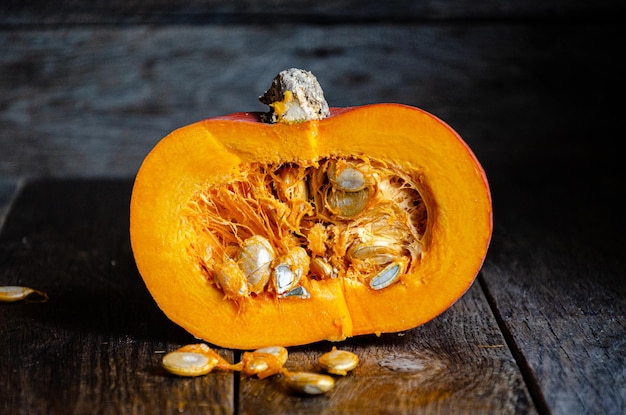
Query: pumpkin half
[375,219]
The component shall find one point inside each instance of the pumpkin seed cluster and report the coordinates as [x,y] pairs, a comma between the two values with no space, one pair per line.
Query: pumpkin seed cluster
[199,359]
[272,229]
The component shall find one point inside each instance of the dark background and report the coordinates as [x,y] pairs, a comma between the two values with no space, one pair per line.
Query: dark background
[534,87]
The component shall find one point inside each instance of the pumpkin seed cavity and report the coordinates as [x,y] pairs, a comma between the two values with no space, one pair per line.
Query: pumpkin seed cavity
[273,229]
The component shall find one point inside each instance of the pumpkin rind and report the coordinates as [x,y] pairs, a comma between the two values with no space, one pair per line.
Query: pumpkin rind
[451,183]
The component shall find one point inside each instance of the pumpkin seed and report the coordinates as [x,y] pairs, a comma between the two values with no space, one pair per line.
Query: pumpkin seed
[284,278]
[292,186]
[387,276]
[254,259]
[346,176]
[347,204]
[299,292]
[207,351]
[321,268]
[378,250]
[291,268]
[338,362]
[231,279]
[188,363]
[12,293]
[264,362]
[278,351]
[309,383]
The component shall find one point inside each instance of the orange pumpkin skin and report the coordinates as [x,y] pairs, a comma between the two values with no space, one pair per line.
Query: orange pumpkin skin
[207,153]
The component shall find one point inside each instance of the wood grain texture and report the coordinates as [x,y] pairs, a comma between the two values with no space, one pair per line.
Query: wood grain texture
[93,101]
[96,345]
[555,273]
[88,90]
[8,187]
[456,364]
[16,13]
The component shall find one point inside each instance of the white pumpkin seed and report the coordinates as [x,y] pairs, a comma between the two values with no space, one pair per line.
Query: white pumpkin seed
[387,276]
[309,383]
[338,362]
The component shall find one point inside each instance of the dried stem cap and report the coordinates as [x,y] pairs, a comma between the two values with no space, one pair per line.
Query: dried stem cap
[295,96]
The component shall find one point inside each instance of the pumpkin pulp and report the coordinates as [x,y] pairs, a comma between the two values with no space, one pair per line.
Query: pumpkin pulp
[375,219]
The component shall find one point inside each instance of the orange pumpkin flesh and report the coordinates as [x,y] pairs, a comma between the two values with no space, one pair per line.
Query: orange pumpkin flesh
[176,246]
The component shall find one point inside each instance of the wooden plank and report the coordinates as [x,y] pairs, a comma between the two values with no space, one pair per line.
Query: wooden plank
[8,187]
[94,101]
[532,100]
[220,11]
[555,273]
[456,364]
[69,239]
[96,345]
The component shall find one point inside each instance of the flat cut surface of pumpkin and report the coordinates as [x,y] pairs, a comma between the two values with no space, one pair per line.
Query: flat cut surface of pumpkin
[209,187]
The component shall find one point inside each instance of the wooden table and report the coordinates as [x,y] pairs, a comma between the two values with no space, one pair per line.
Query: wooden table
[87,90]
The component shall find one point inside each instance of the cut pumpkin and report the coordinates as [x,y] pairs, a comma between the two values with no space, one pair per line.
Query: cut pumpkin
[373,219]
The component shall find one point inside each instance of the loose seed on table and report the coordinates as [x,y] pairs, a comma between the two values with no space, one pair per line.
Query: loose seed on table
[309,383]
[278,351]
[188,363]
[194,360]
[12,293]
[200,359]
[338,362]
[207,351]
[264,362]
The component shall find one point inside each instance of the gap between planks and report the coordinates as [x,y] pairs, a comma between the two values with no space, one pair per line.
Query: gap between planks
[532,384]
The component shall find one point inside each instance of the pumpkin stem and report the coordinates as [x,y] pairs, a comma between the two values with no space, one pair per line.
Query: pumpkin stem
[295,96]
